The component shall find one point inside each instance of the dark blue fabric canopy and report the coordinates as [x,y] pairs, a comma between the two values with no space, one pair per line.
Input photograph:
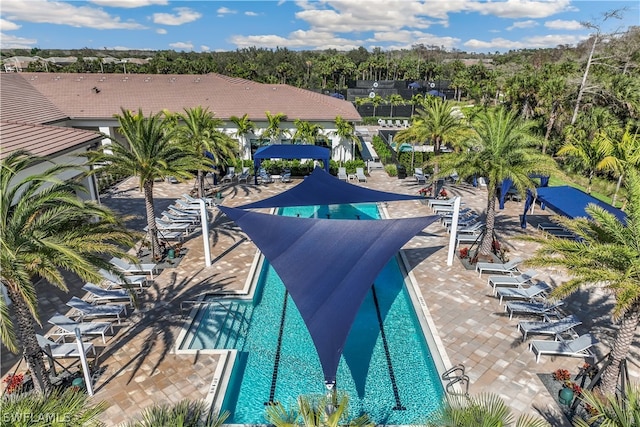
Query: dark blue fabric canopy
[290,151]
[436,93]
[567,201]
[328,289]
[322,188]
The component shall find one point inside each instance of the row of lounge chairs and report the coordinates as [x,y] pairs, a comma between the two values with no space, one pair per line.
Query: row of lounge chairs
[393,123]
[359,175]
[182,218]
[556,230]
[231,175]
[530,299]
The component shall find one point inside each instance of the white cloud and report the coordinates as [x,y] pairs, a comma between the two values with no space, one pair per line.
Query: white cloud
[298,40]
[182,46]
[543,41]
[8,25]
[8,41]
[405,39]
[60,13]
[520,8]
[128,4]
[225,11]
[183,15]
[204,48]
[161,31]
[560,24]
[523,24]
[250,13]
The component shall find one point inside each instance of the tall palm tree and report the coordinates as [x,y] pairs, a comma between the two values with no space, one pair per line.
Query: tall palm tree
[346,132]
[198,131]
[273,131]
[45,228]
[395,100]
[502,146]
[149,153]
[623,151]
[307,132]
[416,99]
[244,126]
[607,256]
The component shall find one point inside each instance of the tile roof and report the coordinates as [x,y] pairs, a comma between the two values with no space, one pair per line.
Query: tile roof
[96,96]
[42,140]
[22,102]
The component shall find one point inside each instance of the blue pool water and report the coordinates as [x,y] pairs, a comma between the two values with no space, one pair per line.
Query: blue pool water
[252,327]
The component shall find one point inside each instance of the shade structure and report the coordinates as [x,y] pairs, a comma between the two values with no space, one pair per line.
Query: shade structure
[290,151]
[567,201]
[436,93]
[322,188]
[328,289]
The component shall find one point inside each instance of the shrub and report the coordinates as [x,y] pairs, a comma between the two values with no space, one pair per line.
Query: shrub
[391,169]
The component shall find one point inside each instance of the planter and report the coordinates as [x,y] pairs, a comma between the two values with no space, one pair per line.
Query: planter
[566,396]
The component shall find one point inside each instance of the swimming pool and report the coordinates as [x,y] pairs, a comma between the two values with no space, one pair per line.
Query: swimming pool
[378,374]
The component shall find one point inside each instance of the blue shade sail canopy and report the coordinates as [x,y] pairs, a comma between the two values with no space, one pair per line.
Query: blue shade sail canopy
[322,188]
[328,266]
[567,201]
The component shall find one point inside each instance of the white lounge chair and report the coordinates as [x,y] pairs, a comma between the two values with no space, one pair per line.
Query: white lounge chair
[139,280]
[466,238]
[518,280]
[474,228]
[195,201]
[129,268]
[187,219]
[405,123]
[66,327]
[84,310]
[529,293]
[244,175]
[173,226]
[548,328]
[177,211]
[265,177]
[544,309]
[508,267]
[231,174]
[342,174]
[360,175]
[286,176]
[579,347]
[440,202]
[398,123]
[63,350]
[186,206]
[98,294]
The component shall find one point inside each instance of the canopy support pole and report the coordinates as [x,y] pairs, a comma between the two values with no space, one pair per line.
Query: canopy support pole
[454,231]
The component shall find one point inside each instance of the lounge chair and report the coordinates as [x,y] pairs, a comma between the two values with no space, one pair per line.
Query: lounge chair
[98,294]
[398,123]
[187,219]
[419,176]
[286,176]
[63,350]
[231,174]
[174,226]
[84,310]
[549,328]
[129,268]
[244,175]
[360,175]
[533,308]
[518,280]
[508,267]
[529,293]
[474,228]
[177,211]
[186,206]
[342,174]
[405,123]
[440,202]
[550,226]
[579,347]
[195,201]
[467,238]
[67,327]
[265,177]
[382,123]
[139,280]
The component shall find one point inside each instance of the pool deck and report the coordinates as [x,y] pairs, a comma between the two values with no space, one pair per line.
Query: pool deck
[139,367]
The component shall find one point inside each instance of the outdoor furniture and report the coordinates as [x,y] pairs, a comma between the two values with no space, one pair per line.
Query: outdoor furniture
[244,175]
[190,219]
[532,308]
[360,174]
[549,328]
[185,206]
[529,293]
[286,176]
[195,201]
[173,226]
[507,267]
[518,280]
[114,279]
[550,226]
[66,327]
[579,347]
[231,174]
[98,294]
[84,310]
[129,268]
[405,123]
[63,350]
[265,177]
[342,174]
[467,238]
[419,176]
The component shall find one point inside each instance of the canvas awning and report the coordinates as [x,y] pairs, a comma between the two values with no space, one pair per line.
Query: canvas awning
[329,289]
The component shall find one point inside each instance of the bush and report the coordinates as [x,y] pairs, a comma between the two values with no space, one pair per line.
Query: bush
[383,150]
[391,169]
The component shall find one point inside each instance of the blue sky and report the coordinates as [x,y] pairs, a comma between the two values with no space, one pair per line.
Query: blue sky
[201,26]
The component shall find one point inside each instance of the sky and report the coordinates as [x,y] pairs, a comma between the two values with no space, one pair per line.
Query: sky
[207,26]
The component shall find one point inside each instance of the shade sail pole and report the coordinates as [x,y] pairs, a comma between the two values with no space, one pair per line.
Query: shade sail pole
[454,230]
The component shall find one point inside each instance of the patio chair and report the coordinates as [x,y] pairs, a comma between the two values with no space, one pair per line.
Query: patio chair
[59,350]
[177,211]
[84,310]
[66,327]
[544,309]
[286,176]
[419,176]
[342,174]
[360,175]
[440,202]
[579,347]
[549,328]
[231,174]
[398,123]
[550,226]
[174,226]
[467,238]
[382,123]
[405,123]
[244,175]
[195,201]
[186,206]
[139,280]
[265,177]
[533,291]
[516,281]
[390,123]
[508,267]
[187,219]
[98,294]
[475,227]
[129,268]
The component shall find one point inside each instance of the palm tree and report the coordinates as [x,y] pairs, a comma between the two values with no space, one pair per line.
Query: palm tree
[149,154]
[346,132]
[273,130]
[187,413]
[607,257]
[45,228]
[395,100]
[624,152]
[502,147]
[306,132]
[375,101]
[481,410]
[244,126]
[416,99]
[199,132]
[612,410]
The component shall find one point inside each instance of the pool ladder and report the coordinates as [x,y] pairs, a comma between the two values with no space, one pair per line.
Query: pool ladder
[455,375]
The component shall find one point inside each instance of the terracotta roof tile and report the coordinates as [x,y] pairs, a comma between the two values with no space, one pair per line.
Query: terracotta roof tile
[21,101]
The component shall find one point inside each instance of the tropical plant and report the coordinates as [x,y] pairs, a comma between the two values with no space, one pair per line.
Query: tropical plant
[307,132]
[198,131]
[244,126]
[395,100]
[46,228]
[613,410]
[622,152]
[149,153]
[502,147]
[346,132]
[187,413]
[607,255]
[273,131]
[70,407]
[484,410]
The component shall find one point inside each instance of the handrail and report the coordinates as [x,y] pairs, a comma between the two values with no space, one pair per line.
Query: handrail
[454,375]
